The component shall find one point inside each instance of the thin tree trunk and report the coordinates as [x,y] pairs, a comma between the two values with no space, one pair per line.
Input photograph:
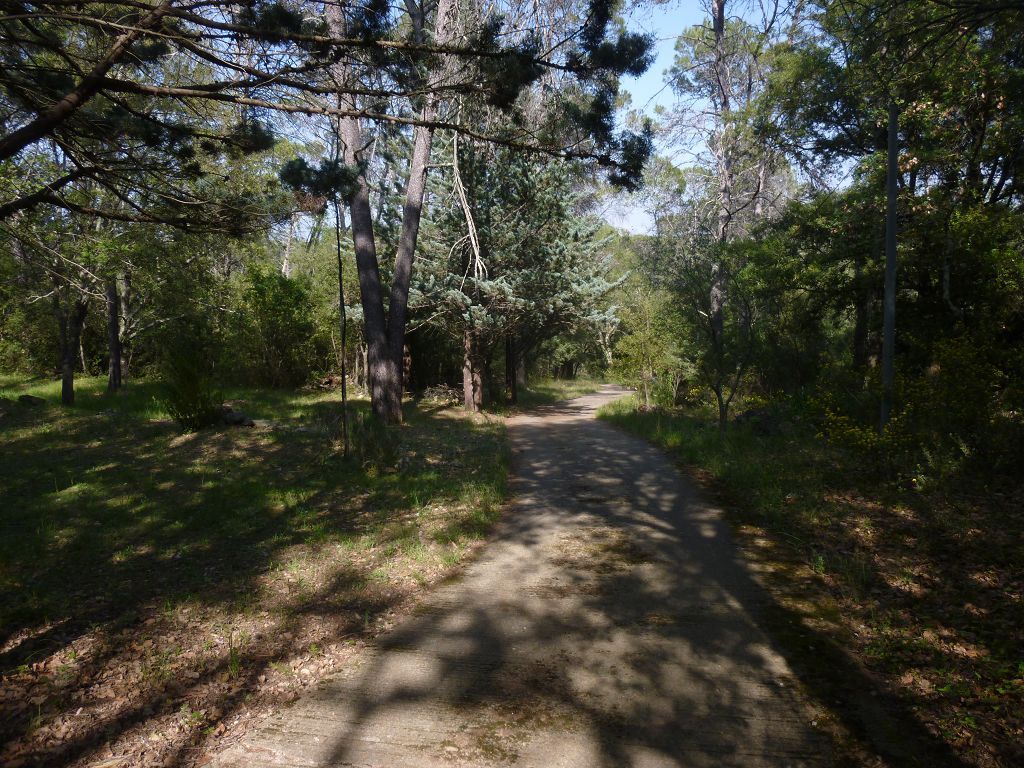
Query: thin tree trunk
[343,322]
[889,300]
[861,307]
[127,323]
[81,355]
[723,411]
[415,192]
[472,382]
[717,298]
[113,337]
[286,262]
[71,322]
[511,369]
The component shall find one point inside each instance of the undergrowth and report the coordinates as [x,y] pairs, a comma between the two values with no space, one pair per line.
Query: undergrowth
[923,579]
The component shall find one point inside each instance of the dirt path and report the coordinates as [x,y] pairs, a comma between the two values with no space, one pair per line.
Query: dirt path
[608,624]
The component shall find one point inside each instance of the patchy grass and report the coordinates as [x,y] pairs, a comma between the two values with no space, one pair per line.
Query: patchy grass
[158,591]
[923,591]
[550,391]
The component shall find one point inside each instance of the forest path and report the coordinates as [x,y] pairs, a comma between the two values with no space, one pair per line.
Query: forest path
[608,623]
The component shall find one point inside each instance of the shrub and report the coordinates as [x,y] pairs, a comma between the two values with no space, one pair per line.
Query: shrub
[187,371]
[274,329]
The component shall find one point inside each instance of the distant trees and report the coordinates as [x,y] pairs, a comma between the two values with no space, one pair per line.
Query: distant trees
[812,306]
[510,263]
[734,180]
[133,112]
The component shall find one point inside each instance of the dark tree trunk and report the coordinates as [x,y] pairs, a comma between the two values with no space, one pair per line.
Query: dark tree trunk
[723,410]
[889,300]
[342,323]
[719,278]
[128,312]
[385,331]
[521,374]
[472,381]
[679,391]
[862,310]
[406,369]
[71,320]
[511,369]
[113,337]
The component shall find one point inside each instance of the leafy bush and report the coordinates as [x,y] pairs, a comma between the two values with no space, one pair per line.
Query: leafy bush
[187,369]
[273,330]
[946,418]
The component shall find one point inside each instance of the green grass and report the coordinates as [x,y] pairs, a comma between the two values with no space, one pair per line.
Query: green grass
[551,391]
[112,518]
[776,476]
[102,503]
[142,399]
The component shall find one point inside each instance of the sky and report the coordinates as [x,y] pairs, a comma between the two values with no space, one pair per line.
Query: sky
[648,91]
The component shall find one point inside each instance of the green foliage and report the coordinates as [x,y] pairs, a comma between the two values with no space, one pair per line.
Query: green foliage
[273,329]
[188,372]
[647,351]
[328,179]
[538,273]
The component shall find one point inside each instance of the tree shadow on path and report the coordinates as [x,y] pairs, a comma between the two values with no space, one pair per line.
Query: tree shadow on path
[610,623]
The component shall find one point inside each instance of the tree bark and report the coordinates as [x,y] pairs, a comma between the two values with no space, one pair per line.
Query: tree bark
[511,369]
[717,298]
[70,319]
[128,323]
[889,299]
[521,374]
[342,322]
[472,381]
[385,331]
[723,411]
[861,312]
[113,336]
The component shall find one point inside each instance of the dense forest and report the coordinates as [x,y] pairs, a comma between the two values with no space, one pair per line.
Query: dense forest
[336,216]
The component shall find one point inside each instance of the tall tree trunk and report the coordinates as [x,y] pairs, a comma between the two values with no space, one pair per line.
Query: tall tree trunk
[723,410]
[113,336]
[717,299]
[70,319]
[81,353]
[128,311]
[862,307]
[889,299]
[472,381]
[382,375]
[343,324]
[385,331]
[511,369]
[286,262]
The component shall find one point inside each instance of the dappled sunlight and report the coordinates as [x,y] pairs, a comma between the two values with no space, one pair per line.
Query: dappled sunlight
[603,625]
[162,590]
[896,582]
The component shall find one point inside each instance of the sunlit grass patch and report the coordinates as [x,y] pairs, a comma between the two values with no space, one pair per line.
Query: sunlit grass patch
[190,570]
[550,391]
